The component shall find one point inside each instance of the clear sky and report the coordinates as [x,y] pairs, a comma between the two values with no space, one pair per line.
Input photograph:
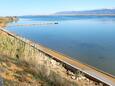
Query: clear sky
[34,7]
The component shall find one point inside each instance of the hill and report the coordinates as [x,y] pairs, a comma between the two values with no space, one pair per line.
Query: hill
[100,11]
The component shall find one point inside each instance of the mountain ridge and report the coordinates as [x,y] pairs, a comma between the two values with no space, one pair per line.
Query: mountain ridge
[98,11]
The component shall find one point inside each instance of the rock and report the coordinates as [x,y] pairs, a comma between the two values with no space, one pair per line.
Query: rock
[1,82]
[83,77]
[70,73]
[53,62]
[100,84]
[58,64]
[73,77]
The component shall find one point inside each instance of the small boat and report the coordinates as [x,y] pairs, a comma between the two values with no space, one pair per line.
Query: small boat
[56,23]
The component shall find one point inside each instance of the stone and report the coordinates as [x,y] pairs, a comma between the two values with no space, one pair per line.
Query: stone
[1,81]
[73,77]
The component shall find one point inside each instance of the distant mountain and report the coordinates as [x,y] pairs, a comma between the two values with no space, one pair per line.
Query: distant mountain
[101,11]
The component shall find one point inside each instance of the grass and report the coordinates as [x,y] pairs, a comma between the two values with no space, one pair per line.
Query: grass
[20,72]
[23,65]
[25,60]
[5,20]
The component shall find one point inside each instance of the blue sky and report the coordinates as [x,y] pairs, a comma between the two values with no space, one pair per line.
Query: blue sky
[34,7]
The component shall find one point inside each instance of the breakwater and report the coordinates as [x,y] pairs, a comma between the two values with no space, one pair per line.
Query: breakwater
[37,24]
[22,49]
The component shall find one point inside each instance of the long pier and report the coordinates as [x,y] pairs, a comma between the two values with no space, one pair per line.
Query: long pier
[35,24]
[91,72]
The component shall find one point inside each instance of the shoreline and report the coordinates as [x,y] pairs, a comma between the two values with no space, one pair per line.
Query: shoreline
[88,70]
[71,15]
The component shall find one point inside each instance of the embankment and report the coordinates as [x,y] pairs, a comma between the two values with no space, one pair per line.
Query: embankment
[57,68]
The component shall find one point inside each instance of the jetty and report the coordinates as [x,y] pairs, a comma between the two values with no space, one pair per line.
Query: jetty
[35,24]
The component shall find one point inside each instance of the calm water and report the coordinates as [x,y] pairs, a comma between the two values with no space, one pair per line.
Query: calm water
[88,39]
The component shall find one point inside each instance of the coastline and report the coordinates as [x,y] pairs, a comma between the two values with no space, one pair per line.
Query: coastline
[91,72]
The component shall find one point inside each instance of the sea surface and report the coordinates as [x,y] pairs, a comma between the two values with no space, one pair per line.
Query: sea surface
[89,39]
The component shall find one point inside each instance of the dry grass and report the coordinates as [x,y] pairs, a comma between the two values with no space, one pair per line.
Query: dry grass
[26,60]
[16,73]
[41,68]
[5,20]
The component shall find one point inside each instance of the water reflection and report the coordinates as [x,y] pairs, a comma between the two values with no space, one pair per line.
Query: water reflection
[90,39]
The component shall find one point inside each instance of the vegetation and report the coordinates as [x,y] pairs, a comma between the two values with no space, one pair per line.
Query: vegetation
[16,73]
[26,65]
[22,64]
[5,20]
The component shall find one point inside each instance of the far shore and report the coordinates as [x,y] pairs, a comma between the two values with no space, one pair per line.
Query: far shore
[5,20]
[72,15]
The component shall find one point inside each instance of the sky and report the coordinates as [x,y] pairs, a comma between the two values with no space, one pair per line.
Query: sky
[37,7]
